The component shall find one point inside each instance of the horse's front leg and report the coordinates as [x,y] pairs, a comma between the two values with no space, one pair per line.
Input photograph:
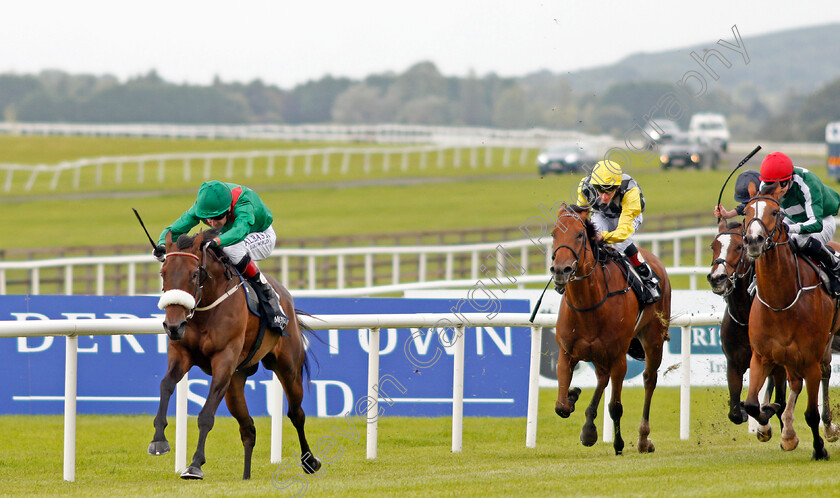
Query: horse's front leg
[222,365]
[589,434]
[178,365]
[617,374]
[737,360]
[789,438]
[565,404]
[832,433]
[812,414]
[759,371]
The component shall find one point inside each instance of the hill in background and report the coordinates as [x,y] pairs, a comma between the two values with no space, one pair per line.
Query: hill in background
[789,90]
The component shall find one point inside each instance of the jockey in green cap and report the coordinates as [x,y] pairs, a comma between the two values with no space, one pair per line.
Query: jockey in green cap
[245,234]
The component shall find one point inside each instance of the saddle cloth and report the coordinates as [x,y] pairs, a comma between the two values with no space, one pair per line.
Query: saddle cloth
[634,281]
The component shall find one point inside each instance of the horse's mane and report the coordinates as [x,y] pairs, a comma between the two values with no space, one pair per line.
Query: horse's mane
[186,241]
[591,231]
[768,189]
[734,225]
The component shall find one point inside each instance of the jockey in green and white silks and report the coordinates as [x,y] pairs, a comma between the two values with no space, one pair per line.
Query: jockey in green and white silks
[809,208]
[245,233]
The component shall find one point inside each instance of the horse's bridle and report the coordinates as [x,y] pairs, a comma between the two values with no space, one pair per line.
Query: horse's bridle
[769,243]
[202,276]
[579,257]
[741,262]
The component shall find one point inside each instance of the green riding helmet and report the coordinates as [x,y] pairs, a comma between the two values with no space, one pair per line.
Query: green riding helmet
[213,199]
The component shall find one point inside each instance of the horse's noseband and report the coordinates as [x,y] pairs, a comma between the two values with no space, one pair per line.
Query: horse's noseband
[202,276]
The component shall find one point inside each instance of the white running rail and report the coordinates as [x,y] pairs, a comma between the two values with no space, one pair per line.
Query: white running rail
[71,329]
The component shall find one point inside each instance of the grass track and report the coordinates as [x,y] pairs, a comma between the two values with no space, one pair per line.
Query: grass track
[414,457]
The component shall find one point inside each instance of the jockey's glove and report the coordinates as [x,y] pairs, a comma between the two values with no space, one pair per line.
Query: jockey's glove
[160,253]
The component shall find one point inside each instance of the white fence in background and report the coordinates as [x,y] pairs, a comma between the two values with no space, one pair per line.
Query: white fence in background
[73,328]
[159,168]
[496,263]
[379,133]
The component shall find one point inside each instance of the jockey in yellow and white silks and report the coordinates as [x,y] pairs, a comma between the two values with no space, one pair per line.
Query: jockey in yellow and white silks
[616,203]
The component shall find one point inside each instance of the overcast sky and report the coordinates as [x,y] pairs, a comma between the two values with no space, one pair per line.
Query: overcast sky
[289,42]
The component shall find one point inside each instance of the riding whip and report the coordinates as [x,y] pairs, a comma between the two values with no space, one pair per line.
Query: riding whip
[154,246]
[743,162]
[539,301]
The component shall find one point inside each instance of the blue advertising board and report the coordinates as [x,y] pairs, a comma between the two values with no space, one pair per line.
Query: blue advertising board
[122,373]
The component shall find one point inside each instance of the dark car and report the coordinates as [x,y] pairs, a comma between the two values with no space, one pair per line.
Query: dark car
[564,158]
[688,151]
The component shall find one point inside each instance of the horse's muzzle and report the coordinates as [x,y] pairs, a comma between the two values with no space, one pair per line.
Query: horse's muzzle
[718,282]
[754,245]
[175,331]
[561,278]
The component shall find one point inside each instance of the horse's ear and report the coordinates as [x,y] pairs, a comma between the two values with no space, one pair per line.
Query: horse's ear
[722,225]
[752,189]
[168,239]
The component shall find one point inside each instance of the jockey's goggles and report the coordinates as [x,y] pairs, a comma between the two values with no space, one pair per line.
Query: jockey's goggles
[605,189]
[218,218]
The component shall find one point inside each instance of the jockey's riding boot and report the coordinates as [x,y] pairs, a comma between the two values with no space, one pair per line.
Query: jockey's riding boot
[276,318]
[826,257]
[651,287]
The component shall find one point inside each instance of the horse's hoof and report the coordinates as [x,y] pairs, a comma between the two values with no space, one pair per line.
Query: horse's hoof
[310,464]
[192,472]
[820,454]
[646,447]
[574,394]
[157,448]
[738,415]
[561,410]
[832,433]
[764,434]
[589,436]
[790,444]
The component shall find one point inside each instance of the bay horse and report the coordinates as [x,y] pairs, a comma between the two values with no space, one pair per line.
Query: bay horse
[730,277]
[209,325]
[597,320]
[792,322]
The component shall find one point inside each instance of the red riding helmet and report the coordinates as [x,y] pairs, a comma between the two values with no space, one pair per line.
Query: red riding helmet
[776,167]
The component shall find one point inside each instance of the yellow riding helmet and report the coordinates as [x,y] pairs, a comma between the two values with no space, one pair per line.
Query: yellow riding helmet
[606,173]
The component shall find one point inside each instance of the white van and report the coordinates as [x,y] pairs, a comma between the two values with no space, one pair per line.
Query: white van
[711,126]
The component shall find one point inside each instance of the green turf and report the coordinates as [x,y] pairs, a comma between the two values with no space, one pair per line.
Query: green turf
[415,458]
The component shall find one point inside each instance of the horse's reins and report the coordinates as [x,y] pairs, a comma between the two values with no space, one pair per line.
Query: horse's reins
[723,261]
[770,244]
[573,276]
[203,271]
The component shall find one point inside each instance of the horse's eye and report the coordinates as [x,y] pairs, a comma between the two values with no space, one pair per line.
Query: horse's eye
[580,235]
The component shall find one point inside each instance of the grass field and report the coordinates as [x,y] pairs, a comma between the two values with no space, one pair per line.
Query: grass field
[414,457]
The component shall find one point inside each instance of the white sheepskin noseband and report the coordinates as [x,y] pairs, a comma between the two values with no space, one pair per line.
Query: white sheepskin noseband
[176,296]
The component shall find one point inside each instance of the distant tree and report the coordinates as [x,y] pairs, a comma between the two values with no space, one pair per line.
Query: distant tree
[430,110]
[312,102]
[363,104]
[818,110]
[474,105]
[511,109]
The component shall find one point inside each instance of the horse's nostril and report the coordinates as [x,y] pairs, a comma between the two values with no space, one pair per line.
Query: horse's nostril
[552,270]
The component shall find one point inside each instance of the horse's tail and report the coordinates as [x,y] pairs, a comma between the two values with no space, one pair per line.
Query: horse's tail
[307,331]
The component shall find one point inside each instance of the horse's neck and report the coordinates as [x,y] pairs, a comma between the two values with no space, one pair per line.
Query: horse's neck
[216,284]
[590,290]
[777,274]
[739,300]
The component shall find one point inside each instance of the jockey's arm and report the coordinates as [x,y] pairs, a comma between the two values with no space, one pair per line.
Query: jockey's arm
[241,226]
[631,206]
[813,208]
[180,226]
